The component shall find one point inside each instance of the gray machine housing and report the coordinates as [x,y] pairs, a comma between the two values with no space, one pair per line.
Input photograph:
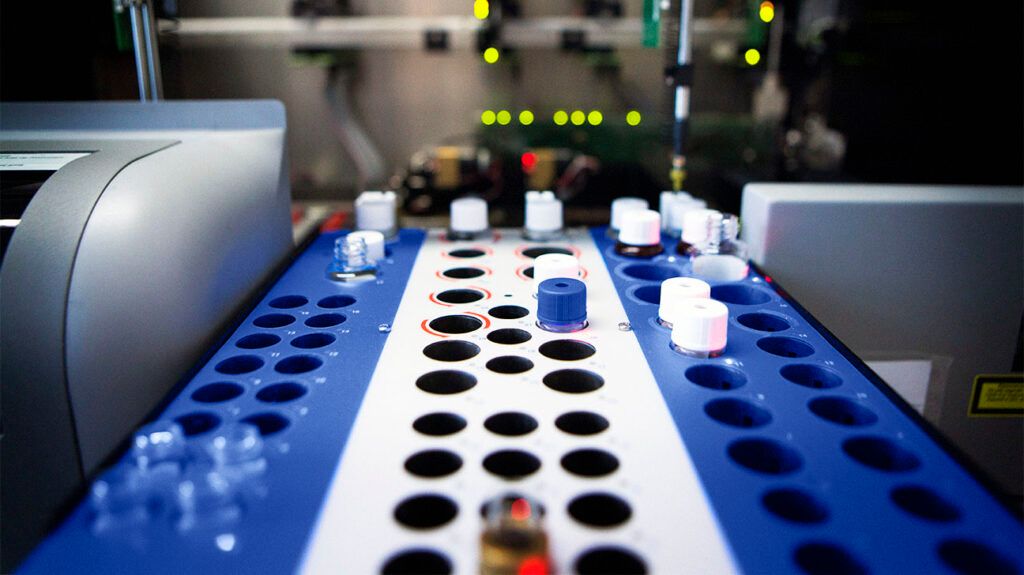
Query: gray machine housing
[125,267]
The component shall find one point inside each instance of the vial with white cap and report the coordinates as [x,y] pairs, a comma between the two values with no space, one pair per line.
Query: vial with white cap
[640,234]
[719,255]
[674,294]
[666,200]
[694,228]
[700,328]
[374,244]
[677,215]
[376,211]
[468,219]
[550,266]
[543,216]
[620,206]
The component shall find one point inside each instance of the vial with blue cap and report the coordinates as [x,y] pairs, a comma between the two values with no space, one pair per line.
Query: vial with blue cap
[562,305]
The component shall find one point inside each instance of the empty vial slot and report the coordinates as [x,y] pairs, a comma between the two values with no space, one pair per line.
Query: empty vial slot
[433,463]
[763,322]
[842,411]
[590,462]
[809,375]
[794,505]
[313,340]
[426,511]
[288,302]
[257,341]
[648,294]
[785,347]
[325,320]
[508,312]
[737,413]
[298,364]
[600,510]
[511,463]
[459,296]
[439,424]
[536,252]
[567,350]
[466,253]
[924,503]
[510,423]
[740,294]
[463,273]
[509,336]
[268,423]
[272,320]
[336,301]
[197,423]
[446,382]
[217,392]
[974,558]
[417,562]
[581,423]
[651,272]
[573,381]
[281,392]
[510,364]
[765,456]
[455,324]
[239,364]
[607,560]
[528,272]
[881,454]
[451,350]
[714,376]
[821,558]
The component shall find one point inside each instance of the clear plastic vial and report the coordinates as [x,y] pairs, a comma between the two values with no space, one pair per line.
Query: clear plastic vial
[720,256]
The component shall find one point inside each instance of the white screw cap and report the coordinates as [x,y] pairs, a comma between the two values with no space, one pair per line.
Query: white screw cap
[622,205]
[543,212]
[695,225]
[376,211]
[468,215]
[374,243]
[640,228]
[665,202]
[675,292]
[550,266]
[700,326]
[678,210]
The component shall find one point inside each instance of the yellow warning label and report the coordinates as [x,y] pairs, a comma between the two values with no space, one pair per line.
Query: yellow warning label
[997,396]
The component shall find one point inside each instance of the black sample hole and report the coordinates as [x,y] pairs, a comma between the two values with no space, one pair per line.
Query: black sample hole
[881,454]
[739,294]
[455,324]
[600,510]
[457,296]
[765,456]
[650,272]
[528,272]
[298,364]
[590,462]
[842,411]
[463,273]
[649,294]
[509,364]
[785,347]
[809,375]
[268,423]
[511,463]
[336,301]
[924,503]
[827,559]
[581,423]
[446,382]
[197,423]
[973,558]
[509,336]
[567,350]
[288,302]
[794,505]
[426,511]
[257,341]
[273,320]
[536,252]
[763,322]
[714,376]
[417,562]
[325,320]
[608,560]
[239,364]
[439,424]
[511,423]
[467,253]
[313,340]
[508,312]
[573,381]
[281,392]
[451,350]
[217,392]
[433,463]
[507,500]
[737,413]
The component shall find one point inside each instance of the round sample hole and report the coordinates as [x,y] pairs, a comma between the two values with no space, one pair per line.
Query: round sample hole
[510,364]
[737,413]
[573,381]
[650,272]
[600,510]
[714,376]
[609,560]
[794,505]
[511,463]
[765,456]
[417,562]
[197,423]
[763,322]
[536,252]
[325,320]
[257,341]
[974,558]
[842,411]
[455,324]
[924,503]
[567,350]
[298,364]
[590,462]
[509,336]
[439,424]
[809,375]
[827,559]
[881,454]
[239,364]
[446,382]
[272,320]
[433,463]
[281,392]
[459,296]
[648,294]
[528,272]
[581,423]
[336,301]
[313,340]
[508,312]
[451,350]
[740,294]
[785,346]
[217,392]
[510,423]
[268,423]
[426,511]
[507,500]
[288,302]
[466,253]
[463,273]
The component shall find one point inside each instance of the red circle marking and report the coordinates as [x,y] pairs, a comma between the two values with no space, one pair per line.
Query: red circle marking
[430,331]
[437,301]
[487,322]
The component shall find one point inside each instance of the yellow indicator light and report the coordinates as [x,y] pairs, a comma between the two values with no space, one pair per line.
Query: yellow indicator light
[487,117]
[561,117]
[481,9]
[526,117]
[504,117]
[752,57]
[633,118]
[491,55]
[595,118]
[766,12]
[578,117]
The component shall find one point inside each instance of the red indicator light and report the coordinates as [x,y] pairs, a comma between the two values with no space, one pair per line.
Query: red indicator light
[529,161]
[533,566]
[520,510]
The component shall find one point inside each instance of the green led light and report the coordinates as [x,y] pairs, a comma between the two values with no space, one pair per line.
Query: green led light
[561,117]
[526,117]
[487,117]
[595,118]
[633,118]
[577,117]
[504,117]
[491,55]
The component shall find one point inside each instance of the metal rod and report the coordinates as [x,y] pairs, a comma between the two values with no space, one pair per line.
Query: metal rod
[138,43]
[156,87]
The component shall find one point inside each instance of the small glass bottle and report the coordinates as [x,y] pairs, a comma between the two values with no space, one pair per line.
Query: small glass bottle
[640,235]
[514,540]
[720,256]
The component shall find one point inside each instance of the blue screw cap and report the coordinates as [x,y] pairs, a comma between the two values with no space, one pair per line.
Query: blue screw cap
[561,301]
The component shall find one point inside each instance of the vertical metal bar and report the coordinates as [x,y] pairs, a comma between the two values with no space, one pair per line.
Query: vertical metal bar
[156,87]
[141,68]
